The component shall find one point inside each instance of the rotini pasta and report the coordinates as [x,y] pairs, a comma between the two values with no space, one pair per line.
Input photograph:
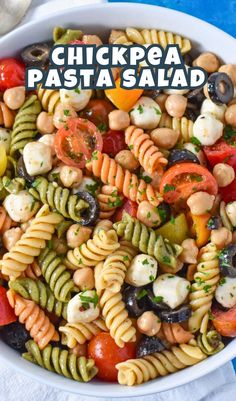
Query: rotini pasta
[79,333]
[61,362]
[181,125]
[143,148]
[210,342]
[48,98]
[40,293]
[108,200]
[68,205]
[203,288]
[33,271]
[56,275]
[7,116]
[5,221]
[137,371]
[110,172]
[174,333]
[94,250]
[24,128]
[16,261]
[34,319]
[147,241]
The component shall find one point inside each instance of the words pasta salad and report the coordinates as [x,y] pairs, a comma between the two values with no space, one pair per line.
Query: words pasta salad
[117,218]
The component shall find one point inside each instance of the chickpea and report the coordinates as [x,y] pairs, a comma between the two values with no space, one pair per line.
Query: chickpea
[224,174]
[176,105]
[91,40]
[84,278]
[11,236]
[14,97]
[230,115]
[148,323]
[207,61]
[45,123]
[118,119]
[148,214]
[62,114]
[164,137]
[161,100]
[79,350]
[71,176]
[77,235]
[221,237]
[127,160]
[230,70]
[200,202]
[190,251]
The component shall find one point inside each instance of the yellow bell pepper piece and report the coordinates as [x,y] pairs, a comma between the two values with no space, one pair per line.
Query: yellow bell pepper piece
[175,230]
[200,230]
[3,160]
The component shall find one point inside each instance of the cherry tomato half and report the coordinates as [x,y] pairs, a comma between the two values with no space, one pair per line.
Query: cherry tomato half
[106,354]
[229,193]
[225,322]
[113,142]
[221,152]
[76,141]
[182,180]
[129,207]
[7,314]
[12,73]
[97,111]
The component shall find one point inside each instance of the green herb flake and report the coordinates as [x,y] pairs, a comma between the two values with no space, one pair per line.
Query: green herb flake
[145,262]
[151,278]
[157,111]
[125,258]
[66,112]
[168,188]
[172,220]
[102,127]
[157,299]
[222,281]
[140,109]
[93,300]
[141,294]
[77,90]
[166,259]
[195,141]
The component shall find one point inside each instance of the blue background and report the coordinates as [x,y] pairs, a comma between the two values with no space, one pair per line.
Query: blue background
[221,13]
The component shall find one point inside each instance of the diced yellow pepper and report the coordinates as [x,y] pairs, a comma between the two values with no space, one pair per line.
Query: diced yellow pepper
[3,160]
[175,230]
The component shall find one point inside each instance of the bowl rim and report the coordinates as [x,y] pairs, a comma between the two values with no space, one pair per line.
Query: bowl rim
[95,389]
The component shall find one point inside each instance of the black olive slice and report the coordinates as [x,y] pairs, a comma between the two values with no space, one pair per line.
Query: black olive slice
[22,172]
[177,315]
[164,212]
[154,305]
[227,261]
[15,335]
[181,156]
[220,88]
[149,345]
[90,215]
[36,55]
[214,223]
[135,301]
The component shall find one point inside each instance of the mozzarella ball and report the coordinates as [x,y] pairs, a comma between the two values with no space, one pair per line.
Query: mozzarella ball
[118,120]
[221,237]
[142,271]
[230,115]
[84,278]
[218,111]
[207,61]
[87,184]
[230,70]
[231,212]
[62,114]
[146,113]
[76,98]
[14,97]
[71,176]
[5,138]
[37,158]
[45,123]
[224,174]
[83,307]
[127,160]
[149,323]
[197,152]
[49,140]
[200,203]
[172,289]
[226,292]
[207,129]
[165,138]
[148,214]
[21,206]
[76,235]
[11,236]
[176,105]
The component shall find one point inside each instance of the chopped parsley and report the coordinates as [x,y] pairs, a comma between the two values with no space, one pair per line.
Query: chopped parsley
[116,203]
[151,278]
[125,258]
[141,294]
[66,112]
[229,135]
[77,90]
[157,111]
[148,215]
[145,262]
[131,147]
[92,188]
[195,141]
[157,299]
[145,178]
[87,300]
[102,127]
[165,259]
[140,109]
[95,155]
[222,281]
[168,188]
[172,220]
[206,288]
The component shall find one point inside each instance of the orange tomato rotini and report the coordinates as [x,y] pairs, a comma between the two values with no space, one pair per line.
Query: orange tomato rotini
[5,221]
[7,116]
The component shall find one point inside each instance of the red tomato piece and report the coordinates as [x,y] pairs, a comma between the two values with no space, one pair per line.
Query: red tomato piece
[12,73]
[129,207]
[113,142]
[106,354]
[229,193]
[7,314]
[221,152]
[97,111]
[182,180]
[76,141]
[225,322]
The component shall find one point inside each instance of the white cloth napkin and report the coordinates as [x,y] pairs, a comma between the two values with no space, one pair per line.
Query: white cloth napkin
[221,384]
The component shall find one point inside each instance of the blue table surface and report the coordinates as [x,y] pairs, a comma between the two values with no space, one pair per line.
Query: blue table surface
[219,13]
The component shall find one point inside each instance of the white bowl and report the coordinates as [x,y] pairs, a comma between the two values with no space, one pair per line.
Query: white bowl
[101,18]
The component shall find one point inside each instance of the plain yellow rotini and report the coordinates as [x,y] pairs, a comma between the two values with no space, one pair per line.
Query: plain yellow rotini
[49,99]
[94,250]
[141,370]
[79,333]
[115,266]
[114,313]
[203,288]
[22,254]
[181,125]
